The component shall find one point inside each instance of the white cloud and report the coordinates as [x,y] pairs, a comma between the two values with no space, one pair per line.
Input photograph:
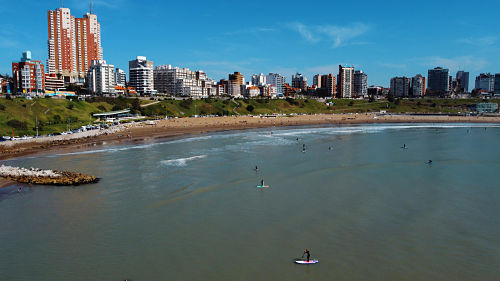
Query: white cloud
[336,35]
[304,31]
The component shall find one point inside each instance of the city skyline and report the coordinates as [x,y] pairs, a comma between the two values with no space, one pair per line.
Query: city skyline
[316,44]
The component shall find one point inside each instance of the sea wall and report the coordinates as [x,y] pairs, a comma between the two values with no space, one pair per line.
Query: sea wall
[45,177]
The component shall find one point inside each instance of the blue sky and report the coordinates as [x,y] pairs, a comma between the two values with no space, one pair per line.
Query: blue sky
[383,38]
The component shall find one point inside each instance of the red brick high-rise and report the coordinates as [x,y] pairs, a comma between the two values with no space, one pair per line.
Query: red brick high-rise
[73,43]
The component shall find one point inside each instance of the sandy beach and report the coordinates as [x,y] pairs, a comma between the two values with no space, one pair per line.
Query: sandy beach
[152,130]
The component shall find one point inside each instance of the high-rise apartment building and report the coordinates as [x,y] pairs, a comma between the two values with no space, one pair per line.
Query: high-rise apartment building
[463,80]
[345,82]
[235,83]
[276,80]
[28,75]
[88,42]
[120,77]
[418,87]
[329,84]
[360,84]
[497,84]
[485,82]
[259,79]
[439,81]
[141,75]
[72,44]
[101,78]
[299,81]
[183,82]
[400,86]
[61,43]
[317,80]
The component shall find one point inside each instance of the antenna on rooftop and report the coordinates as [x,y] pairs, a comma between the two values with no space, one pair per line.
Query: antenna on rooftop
[91,6]
[62,3]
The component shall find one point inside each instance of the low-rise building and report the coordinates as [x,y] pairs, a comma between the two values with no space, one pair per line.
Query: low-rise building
[375,90]
[252,91]
[52,83]
[485,107]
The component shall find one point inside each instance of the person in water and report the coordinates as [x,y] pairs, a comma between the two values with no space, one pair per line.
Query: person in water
[307,253]
[256,168]
[430,162]
[262,183]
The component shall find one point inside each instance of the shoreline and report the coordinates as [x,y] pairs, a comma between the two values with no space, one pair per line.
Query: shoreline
[171,128]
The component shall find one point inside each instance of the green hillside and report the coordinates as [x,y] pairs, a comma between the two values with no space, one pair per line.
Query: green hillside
[55,115]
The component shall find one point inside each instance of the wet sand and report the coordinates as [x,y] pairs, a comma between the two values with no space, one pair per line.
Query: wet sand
[150,131]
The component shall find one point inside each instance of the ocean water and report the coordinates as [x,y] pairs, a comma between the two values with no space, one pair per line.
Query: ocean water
[189,209]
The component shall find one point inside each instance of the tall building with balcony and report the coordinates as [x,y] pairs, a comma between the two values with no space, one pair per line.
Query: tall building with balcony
[73,44]
[400,86]
[299,81]
[439,81]
[141,76]
[462,79]
[485,82]
[235,83]
[88,43]
[101,78]
[329,84]
[418,87]
[28,75]
[317,80]
[345,82]
[183,82]
[120,77]
[277,81]
[61,43]
[360,84]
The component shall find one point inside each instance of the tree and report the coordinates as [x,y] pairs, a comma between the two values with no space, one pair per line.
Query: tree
[250,108]
[390,98]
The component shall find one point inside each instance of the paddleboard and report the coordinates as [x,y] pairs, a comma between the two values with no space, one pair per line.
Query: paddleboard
[263,186]
[307,262]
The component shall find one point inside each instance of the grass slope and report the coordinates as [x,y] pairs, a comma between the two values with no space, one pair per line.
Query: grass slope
[53,114]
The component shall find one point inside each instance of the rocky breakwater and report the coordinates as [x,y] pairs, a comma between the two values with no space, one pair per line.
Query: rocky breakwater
[45,177]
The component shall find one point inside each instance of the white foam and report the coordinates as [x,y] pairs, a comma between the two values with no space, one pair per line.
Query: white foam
[181,162]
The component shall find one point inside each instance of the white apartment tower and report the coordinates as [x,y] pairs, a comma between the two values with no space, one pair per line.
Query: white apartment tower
[101,78]
[120,77]
[141,75]
[276,80]
[360,83]
[259,79]
[345,81]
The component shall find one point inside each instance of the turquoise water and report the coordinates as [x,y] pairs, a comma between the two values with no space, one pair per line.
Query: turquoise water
[189,209]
